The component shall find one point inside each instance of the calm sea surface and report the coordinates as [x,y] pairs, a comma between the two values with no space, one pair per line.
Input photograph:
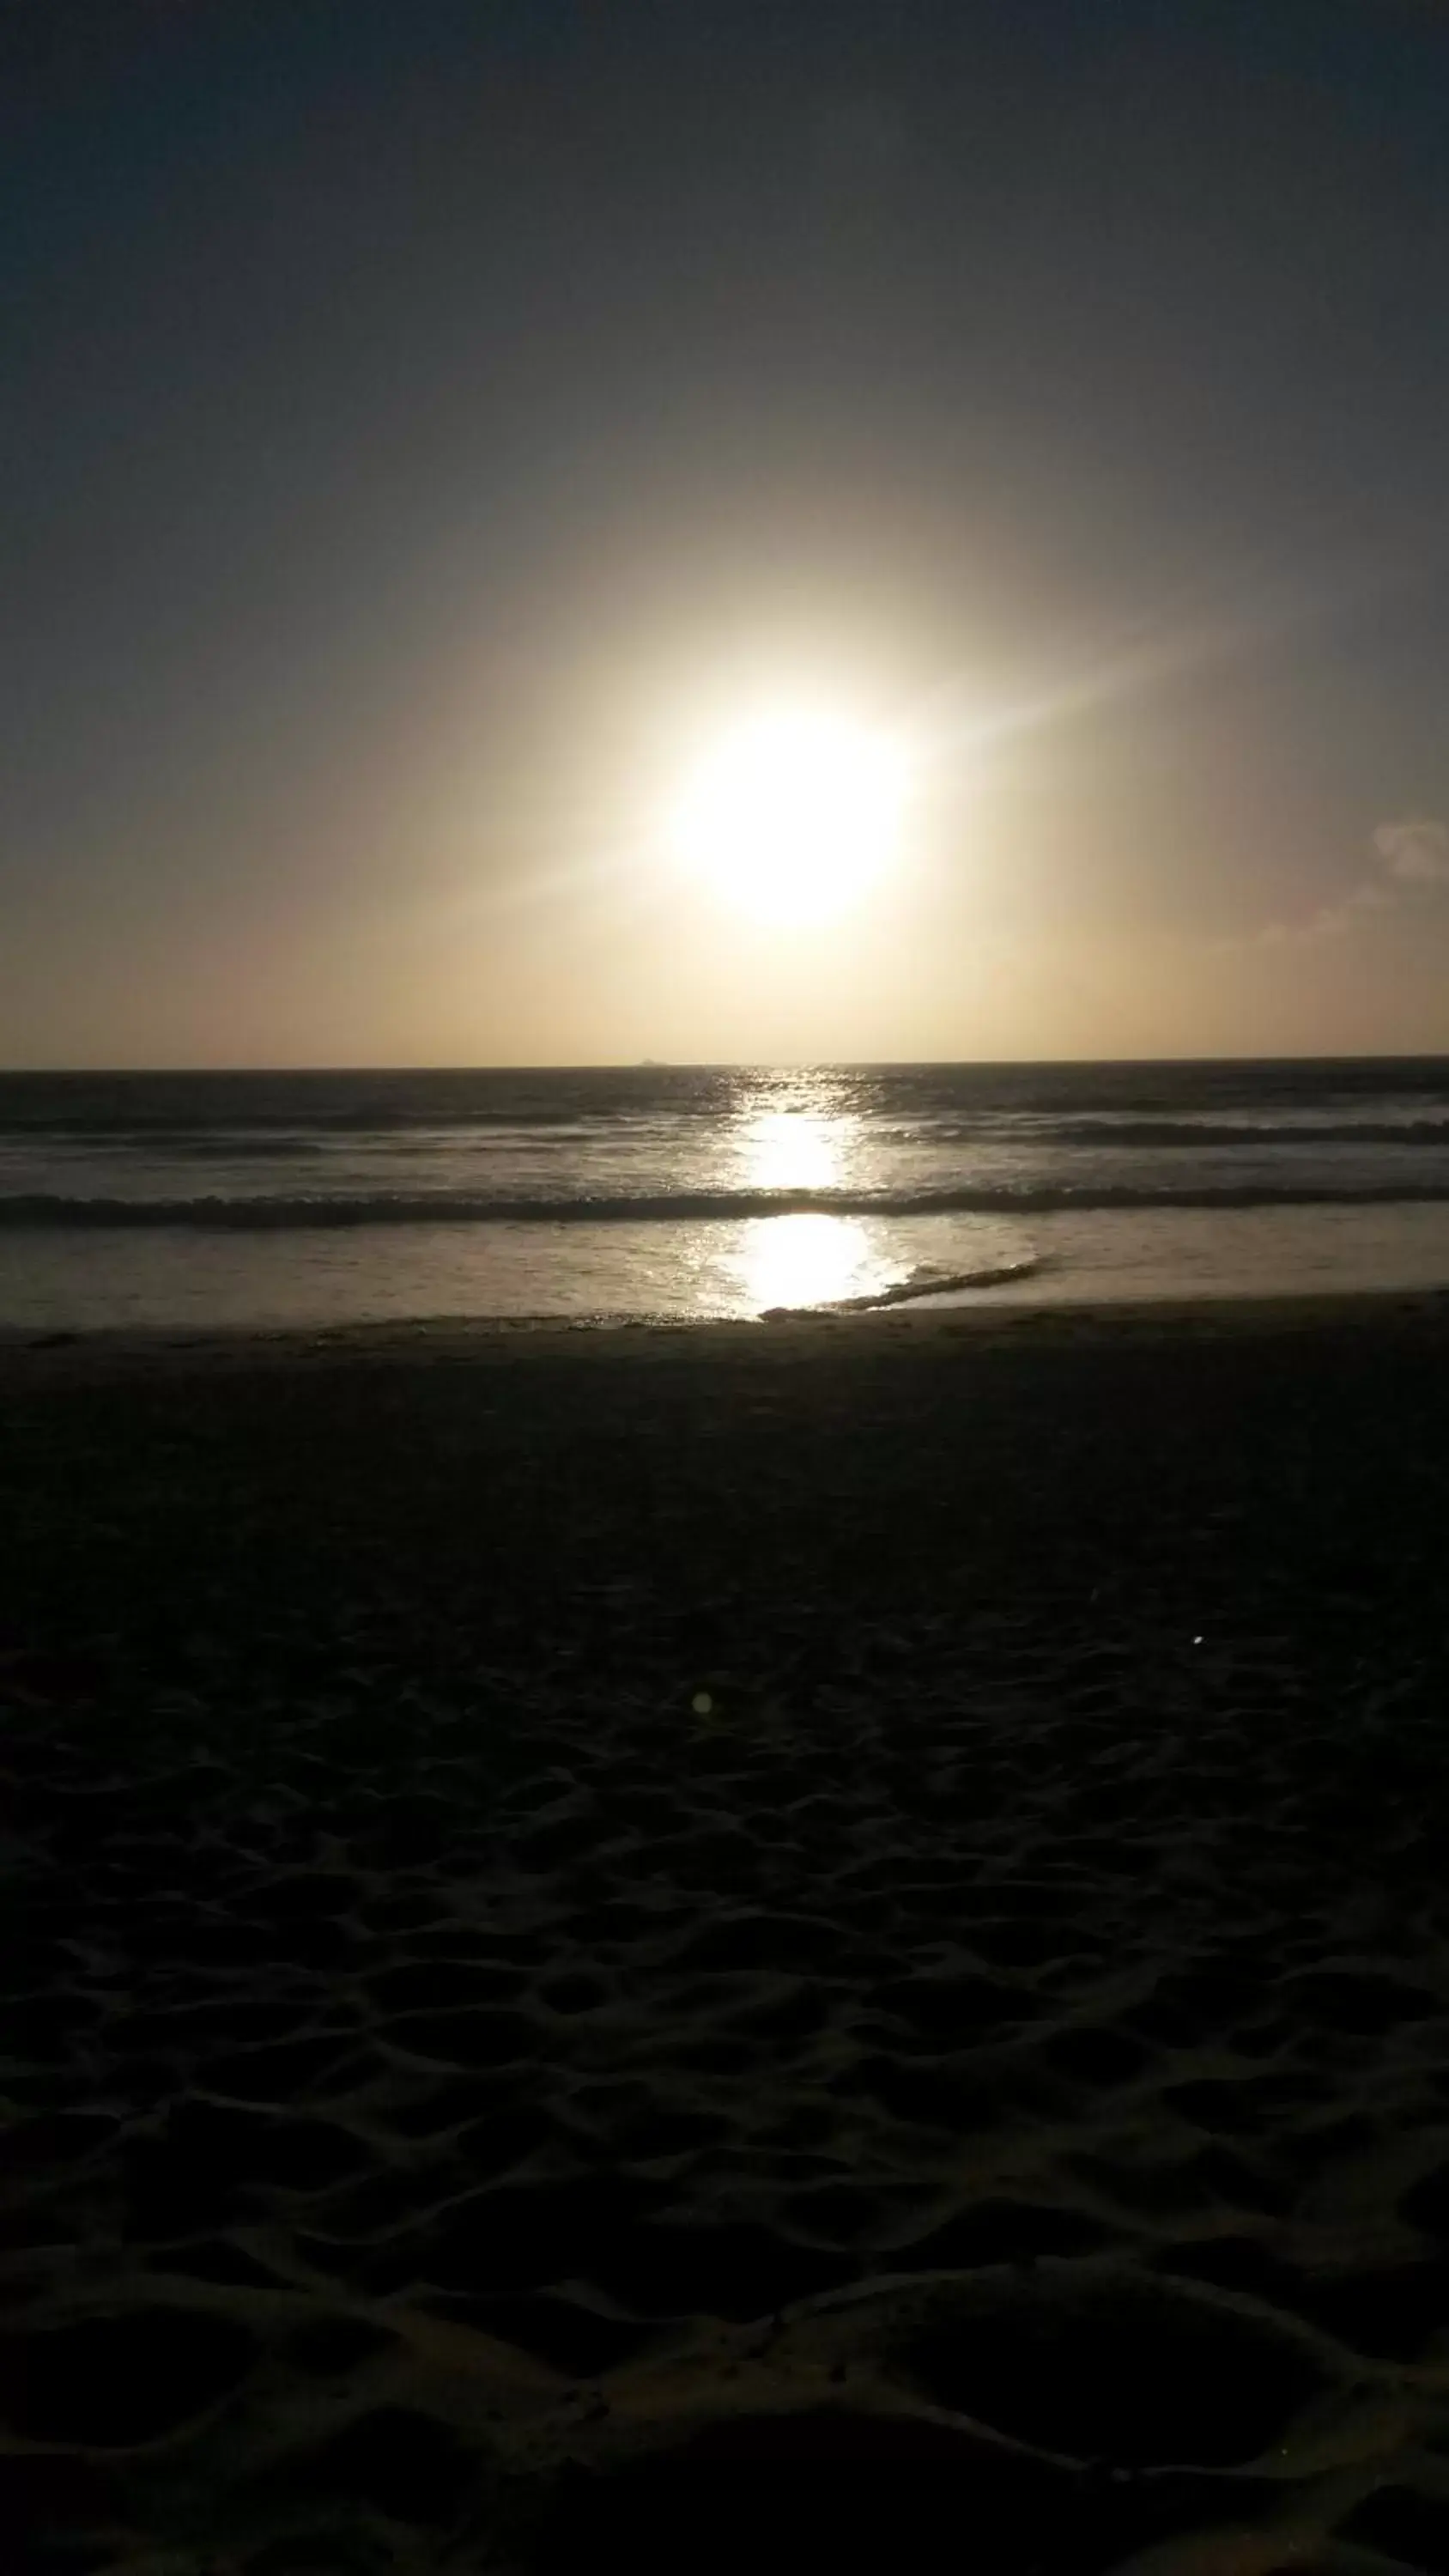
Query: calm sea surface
[202,1200]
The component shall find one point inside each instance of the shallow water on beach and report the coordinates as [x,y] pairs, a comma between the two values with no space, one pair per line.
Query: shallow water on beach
[200,1201]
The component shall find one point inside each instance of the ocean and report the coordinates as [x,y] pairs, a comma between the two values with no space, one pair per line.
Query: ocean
[192,1202]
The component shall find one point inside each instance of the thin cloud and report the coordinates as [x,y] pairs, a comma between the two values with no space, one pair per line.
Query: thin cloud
[1408,856]
[1416,852]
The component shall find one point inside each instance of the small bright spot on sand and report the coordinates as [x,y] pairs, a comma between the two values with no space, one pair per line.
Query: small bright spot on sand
[702,1704]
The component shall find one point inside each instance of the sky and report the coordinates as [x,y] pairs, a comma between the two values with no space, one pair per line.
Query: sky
[427,423]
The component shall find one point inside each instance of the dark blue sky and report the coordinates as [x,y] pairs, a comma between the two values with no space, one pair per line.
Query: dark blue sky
[417,412]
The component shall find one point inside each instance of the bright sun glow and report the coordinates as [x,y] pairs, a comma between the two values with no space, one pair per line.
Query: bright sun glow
[792,817]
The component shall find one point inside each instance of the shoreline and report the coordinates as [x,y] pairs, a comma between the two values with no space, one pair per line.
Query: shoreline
[441,1340]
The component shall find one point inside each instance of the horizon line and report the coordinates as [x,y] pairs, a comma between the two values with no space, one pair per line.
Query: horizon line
[708,1064]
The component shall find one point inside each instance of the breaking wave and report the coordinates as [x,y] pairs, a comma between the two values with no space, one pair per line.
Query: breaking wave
[263,1214]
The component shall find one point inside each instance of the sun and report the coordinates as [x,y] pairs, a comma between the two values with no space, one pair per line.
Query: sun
[793,815]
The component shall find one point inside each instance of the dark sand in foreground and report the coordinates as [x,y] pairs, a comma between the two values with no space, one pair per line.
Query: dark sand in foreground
[726,1948]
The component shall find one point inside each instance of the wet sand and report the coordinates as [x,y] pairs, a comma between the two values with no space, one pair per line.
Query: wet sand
[617,1942]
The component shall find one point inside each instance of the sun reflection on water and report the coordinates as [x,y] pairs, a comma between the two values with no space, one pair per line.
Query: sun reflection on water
[781,1149]
[808,1261]
[802,1141]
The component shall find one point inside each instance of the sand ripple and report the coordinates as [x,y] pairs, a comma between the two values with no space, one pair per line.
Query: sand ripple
[472,2105]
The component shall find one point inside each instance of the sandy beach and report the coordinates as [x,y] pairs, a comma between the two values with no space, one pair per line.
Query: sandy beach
[616,1941]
